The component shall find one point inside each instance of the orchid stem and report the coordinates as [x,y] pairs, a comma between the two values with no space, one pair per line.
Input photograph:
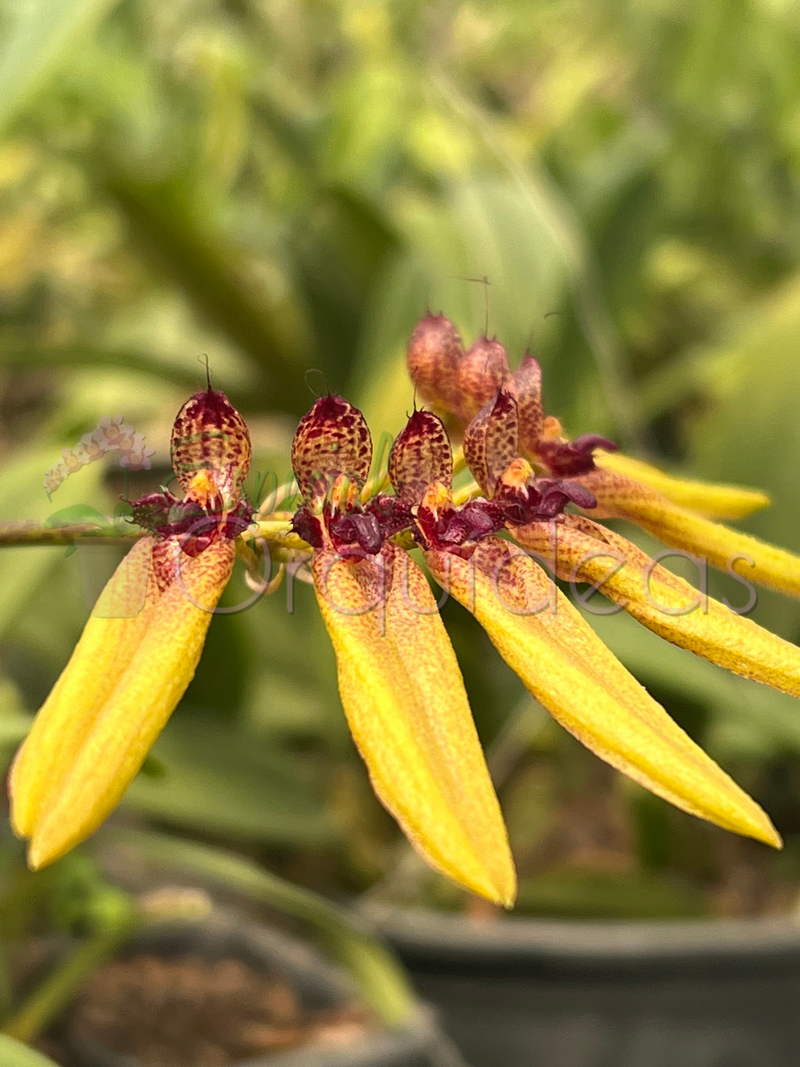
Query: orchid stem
[59,988]
[33,533]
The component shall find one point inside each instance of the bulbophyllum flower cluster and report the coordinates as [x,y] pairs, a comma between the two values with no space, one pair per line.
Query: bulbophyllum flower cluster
[495,545]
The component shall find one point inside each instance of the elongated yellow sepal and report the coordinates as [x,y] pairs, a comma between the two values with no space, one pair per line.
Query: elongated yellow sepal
[580,550]
[566,667]
[710,499]
[123,729]
[108,643]
[624,498]
[404,698]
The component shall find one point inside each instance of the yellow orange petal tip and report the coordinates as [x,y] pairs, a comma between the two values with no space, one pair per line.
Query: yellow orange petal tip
[714,500]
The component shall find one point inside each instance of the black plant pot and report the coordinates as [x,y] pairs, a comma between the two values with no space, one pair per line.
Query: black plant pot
[539,993]
[319,984]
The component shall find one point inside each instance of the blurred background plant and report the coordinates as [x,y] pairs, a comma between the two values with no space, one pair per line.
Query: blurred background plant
[285,188]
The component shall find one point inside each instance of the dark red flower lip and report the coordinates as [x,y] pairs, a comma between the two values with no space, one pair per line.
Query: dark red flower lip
[194,526]
[571,459]
[355,532]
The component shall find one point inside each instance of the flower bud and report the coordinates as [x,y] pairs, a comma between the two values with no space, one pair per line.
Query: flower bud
[525,385]
[481,373]
[491,441]
[434,353]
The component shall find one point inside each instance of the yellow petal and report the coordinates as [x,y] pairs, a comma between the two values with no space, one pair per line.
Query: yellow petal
[710,499]
[728,549]
[566,667]
[106,647]
[583,551]
[404,699]
[137,709]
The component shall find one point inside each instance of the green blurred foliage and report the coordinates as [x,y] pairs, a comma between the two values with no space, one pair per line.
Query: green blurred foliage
[285,187]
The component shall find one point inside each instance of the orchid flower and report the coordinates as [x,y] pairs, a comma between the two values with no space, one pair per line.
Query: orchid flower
[142,643]
[399,680]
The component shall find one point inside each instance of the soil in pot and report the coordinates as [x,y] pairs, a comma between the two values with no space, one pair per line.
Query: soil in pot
[216,993]
[194,1012]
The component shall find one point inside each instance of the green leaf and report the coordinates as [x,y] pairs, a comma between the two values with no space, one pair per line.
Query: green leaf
[15,1054]
[87,355]
[746,431]
[14,726]
[746,719]
[483,227]
[213,271]
[582,893]
[41,33]
[223,780]
[14,720]
[76,515]
[23,570]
